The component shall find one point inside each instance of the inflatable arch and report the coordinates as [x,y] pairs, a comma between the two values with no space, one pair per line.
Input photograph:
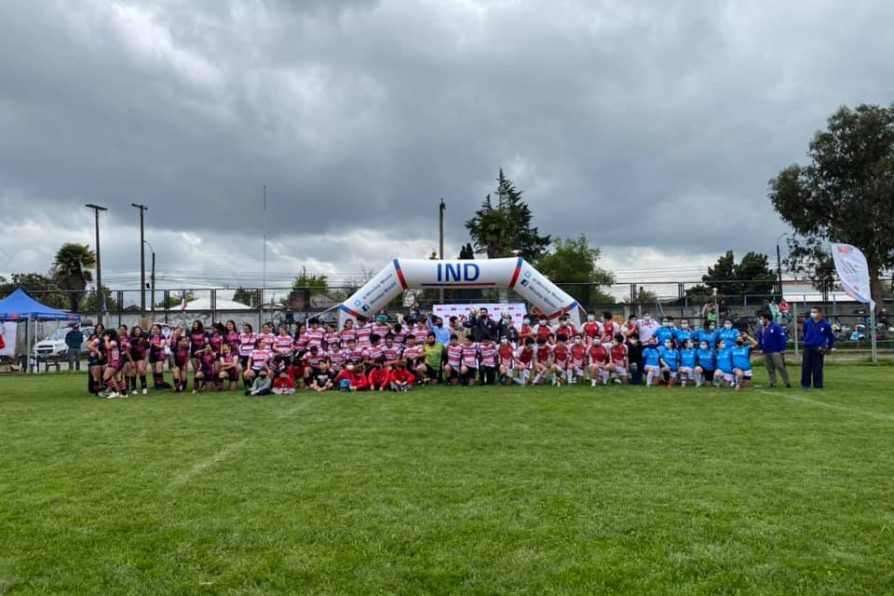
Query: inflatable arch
[513,273]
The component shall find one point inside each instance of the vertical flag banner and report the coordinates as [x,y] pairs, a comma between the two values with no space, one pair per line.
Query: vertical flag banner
[851,266]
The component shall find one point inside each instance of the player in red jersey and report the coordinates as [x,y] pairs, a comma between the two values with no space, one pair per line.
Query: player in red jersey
[506,355]
[578,360]
[350,379]
[619,364]
[561,365]
[609,327]
[524,361]
[400,379]
[592,329]
[526,331]
[543,330]
[378,377]
[599,358]
[542,360]
[454,360]
[566,328]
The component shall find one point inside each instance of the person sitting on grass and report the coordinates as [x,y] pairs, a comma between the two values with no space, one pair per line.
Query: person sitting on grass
[599,358]
[351,379]
[724,365]
[687,362]
[741,359]
[283,384]
[377,377]
[260,385]
[651,361]
[400,379]
[323,379]
[670,363]
[205,372]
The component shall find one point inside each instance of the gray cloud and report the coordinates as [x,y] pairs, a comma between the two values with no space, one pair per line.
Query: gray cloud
[654,124]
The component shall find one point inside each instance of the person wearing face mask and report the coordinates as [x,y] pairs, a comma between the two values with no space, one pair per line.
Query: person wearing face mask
[481,326]
[609,327]
[741,358]
[724,370]
[526,331]
[708,334]
[670,362]
[771,340]
[543,330]
[666,331]
[818,339]
[684,333]
[506,328]
[728,333]
[592,328]
[436,326]
[578,359]
[506,359]
[619,364]
[646,327]
[599,359]
[635,359]
[566,327]
[651,361]
[705,363]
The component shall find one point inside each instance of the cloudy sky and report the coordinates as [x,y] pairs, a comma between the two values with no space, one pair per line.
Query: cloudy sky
[651,127]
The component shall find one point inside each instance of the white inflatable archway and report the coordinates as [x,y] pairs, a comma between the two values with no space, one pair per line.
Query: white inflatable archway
[514,274]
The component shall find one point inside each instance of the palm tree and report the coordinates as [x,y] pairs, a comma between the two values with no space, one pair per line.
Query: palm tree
[71,270]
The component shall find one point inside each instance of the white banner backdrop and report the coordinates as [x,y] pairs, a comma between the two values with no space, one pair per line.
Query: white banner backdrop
[464,311]
[9,331]
[851,266]
[512,273]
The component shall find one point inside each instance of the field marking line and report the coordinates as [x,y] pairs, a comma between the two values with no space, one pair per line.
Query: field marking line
[876,415]
[295,408]
[203,466]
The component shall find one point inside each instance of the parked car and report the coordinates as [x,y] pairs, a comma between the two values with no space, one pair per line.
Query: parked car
[54,346]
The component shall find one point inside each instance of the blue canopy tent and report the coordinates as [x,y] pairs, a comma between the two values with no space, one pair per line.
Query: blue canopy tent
[19,306]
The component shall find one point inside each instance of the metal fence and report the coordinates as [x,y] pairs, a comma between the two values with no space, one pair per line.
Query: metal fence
[293,306]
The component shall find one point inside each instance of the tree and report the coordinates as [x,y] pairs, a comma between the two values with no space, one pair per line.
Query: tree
[643,296]
[246,297]
[302,287]
[809,257]
[505,229]
[40,287]
[750,277]
[71,271]
[90,302]
[700,293]
[573,265]
[846,192]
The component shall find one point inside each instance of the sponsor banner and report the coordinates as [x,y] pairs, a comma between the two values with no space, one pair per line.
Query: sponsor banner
[853,271]
[516,310]
[538,290]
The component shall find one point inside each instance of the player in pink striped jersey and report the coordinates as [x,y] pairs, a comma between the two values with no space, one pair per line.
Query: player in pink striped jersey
[266,337]
[454,360]
[349,332]
[282,345]
[362,331]
[315,334]
[489,353]
[247,342]
[468,372]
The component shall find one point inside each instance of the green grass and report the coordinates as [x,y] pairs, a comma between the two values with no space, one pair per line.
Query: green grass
[481,491]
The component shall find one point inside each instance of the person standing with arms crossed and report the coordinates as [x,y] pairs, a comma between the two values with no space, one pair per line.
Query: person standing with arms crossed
[74,339]
[772,342]
[818,339]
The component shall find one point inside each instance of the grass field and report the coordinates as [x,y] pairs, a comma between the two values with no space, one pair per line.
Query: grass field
[482,491]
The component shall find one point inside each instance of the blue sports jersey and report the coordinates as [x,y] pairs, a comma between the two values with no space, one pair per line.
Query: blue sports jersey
[651,356]
[682,335]
[687,358]
[707,359]
[671,359]
[664,333]
[707,336]
[729,336]
[725,360]
[741,356]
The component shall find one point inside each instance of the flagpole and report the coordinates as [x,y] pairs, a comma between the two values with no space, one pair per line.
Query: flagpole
[872,332]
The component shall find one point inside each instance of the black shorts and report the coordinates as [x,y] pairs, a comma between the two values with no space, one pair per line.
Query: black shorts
[432,373]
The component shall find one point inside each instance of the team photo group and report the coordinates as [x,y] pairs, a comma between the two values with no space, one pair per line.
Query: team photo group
[399,354]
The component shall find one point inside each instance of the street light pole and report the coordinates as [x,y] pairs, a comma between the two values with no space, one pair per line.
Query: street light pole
[441,210]
[151,282]
[143,209]
[100,296]
[779,263]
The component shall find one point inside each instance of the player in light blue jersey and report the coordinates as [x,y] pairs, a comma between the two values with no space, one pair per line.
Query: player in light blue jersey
[741,359]
[666,331]
[724,365]
[708,334]
[687,362]
[728,334]
[706,363]
[670,362]
[683,333]
[651,361]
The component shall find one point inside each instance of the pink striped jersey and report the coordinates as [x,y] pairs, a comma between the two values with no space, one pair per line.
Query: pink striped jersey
[375,352]
[420,330]
[470,355]
[315,337]
[247,343]
[454,355]
[355,355]
[362,334]
[400,337]
[337,358]
[489,354]
[259,358]
[347,334]
[392,352]
[283,344]
[414,352]
[380,329]
[333,337]
[267,340]
[313,360]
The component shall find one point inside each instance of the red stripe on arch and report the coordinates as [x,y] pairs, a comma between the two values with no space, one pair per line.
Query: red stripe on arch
[400,275]
[518,268]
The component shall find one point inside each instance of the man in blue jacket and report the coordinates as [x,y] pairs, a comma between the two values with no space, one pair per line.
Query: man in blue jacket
[772,342]
[818,339]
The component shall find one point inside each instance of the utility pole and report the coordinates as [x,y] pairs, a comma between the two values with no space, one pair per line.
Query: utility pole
[100,295]
[779,264]
[151,283]
[442,209]
[143,209]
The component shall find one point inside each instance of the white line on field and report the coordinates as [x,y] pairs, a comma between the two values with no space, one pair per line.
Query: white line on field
[824,404]
[299,406]
[202,467]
